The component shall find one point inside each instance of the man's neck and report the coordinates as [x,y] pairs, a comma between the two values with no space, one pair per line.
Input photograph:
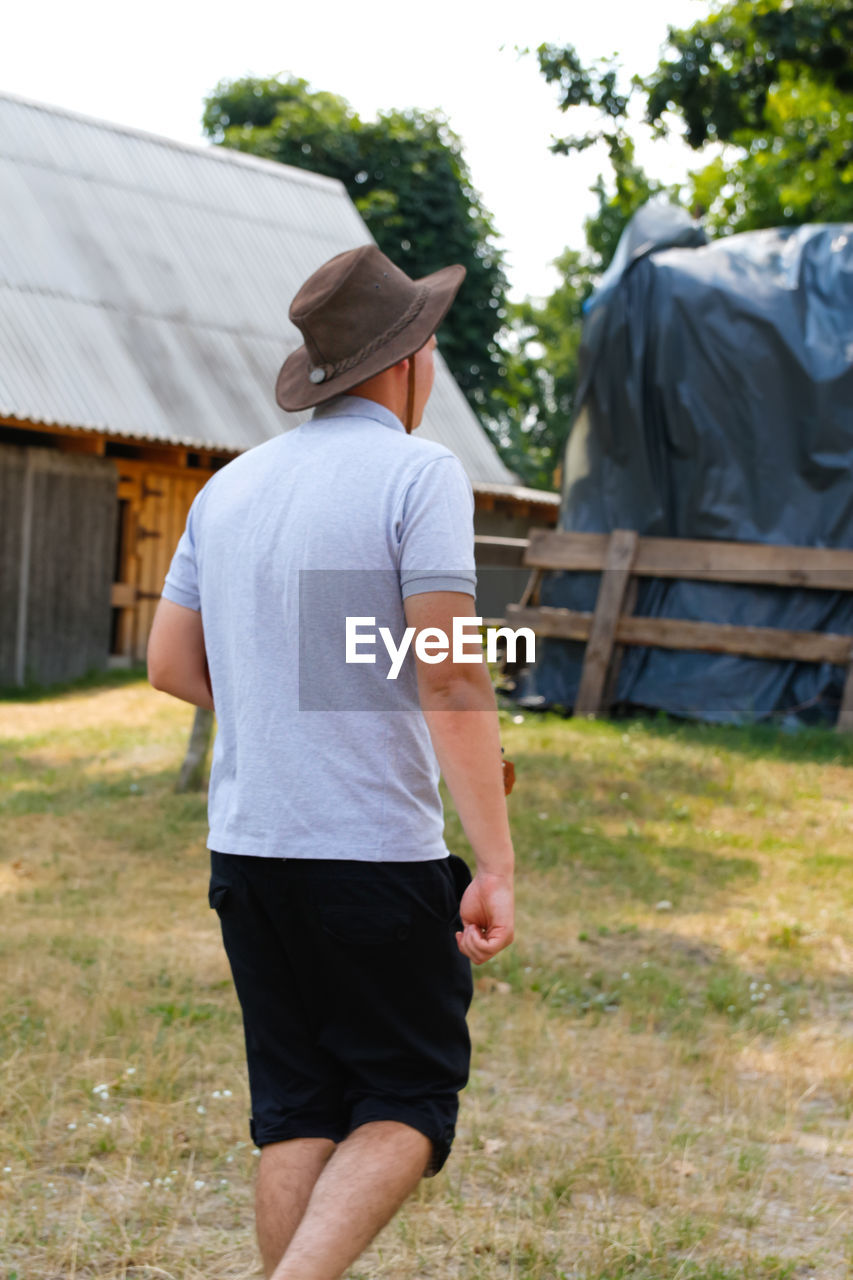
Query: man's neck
[359,394]
[390,389]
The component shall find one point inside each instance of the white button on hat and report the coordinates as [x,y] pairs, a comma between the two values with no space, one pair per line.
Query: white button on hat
[317,375]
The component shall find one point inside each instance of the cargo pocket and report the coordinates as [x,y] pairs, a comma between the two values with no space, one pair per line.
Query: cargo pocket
[461,874]
[439,890]
[365,926]
[217,895]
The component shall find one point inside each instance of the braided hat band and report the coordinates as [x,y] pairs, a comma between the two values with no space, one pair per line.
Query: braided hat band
[376,344]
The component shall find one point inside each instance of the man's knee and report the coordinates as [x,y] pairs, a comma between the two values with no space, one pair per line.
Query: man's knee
[296,1153]
[396,1140]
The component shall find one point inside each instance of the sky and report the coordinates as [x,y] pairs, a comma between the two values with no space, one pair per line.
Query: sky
[150,66]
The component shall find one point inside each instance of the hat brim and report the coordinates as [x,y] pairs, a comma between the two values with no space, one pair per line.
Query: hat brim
[295,391]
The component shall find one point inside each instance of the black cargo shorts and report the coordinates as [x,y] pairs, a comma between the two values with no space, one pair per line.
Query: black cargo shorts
[353,991]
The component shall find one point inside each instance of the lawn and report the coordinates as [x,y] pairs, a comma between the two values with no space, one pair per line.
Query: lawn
[662,1084]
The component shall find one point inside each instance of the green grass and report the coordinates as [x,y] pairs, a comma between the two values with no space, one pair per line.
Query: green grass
[93,680]
[661,1083]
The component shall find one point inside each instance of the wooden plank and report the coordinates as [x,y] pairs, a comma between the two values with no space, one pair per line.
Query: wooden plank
[530,595]
[753,642]
[608,607]
[144,451]
[505,552]
[555,549]
[707,637]
[628,607]
[751,563]
[128,488]
[139,469]
[169,456]
[123,595]
[84,444]
[561,624]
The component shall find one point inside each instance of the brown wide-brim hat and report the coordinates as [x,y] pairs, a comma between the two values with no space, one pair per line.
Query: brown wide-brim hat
[359,315]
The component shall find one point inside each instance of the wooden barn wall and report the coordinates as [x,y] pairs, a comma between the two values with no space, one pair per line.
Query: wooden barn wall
[164,513]
[62,523]
[158,498]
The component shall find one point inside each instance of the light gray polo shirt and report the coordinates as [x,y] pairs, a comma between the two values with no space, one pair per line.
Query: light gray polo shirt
[344,516]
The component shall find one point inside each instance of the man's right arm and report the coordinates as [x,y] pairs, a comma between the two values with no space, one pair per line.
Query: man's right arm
[458,704]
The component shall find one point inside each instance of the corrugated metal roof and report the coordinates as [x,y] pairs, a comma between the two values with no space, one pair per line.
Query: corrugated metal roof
[144,286]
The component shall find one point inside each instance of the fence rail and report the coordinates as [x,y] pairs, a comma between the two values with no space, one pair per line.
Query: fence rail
[623,556]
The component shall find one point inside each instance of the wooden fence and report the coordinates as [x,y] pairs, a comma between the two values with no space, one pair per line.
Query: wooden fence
[622,557]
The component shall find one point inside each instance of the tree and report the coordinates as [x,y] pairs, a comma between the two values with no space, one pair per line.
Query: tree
[773,81]
[630,187]
[770,80]
[407,175]
[532,410]
[532,407]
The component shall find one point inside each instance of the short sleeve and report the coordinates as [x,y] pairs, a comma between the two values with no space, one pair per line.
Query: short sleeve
[436,532]
[181,585]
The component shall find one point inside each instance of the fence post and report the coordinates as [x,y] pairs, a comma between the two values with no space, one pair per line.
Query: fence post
[621,550]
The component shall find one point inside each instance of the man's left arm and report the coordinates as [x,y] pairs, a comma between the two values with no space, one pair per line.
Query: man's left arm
[177,661]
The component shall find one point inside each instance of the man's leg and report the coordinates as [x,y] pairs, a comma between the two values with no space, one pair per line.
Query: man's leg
[366,1180]
[286,1178]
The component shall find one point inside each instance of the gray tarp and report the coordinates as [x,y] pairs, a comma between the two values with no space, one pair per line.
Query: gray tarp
[716,401]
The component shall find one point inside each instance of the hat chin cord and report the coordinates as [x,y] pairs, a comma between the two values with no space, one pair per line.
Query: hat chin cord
[408,422]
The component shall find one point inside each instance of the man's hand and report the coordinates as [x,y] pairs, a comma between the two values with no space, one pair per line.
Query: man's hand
[487,913]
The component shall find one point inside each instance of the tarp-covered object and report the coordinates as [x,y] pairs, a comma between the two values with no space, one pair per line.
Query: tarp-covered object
[716,401]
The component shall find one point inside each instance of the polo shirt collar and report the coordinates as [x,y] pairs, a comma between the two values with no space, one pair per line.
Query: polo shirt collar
[346,406]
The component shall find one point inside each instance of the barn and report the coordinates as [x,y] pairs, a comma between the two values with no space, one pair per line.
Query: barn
[144,287]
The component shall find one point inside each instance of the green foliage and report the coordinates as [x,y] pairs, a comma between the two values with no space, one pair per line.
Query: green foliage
[532,410]
[728,66]
[532,407]
[109,679]
[581,86]
[773,81]
[407,175]
[630,187]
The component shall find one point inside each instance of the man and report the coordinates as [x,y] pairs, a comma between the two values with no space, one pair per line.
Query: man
[338,902]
